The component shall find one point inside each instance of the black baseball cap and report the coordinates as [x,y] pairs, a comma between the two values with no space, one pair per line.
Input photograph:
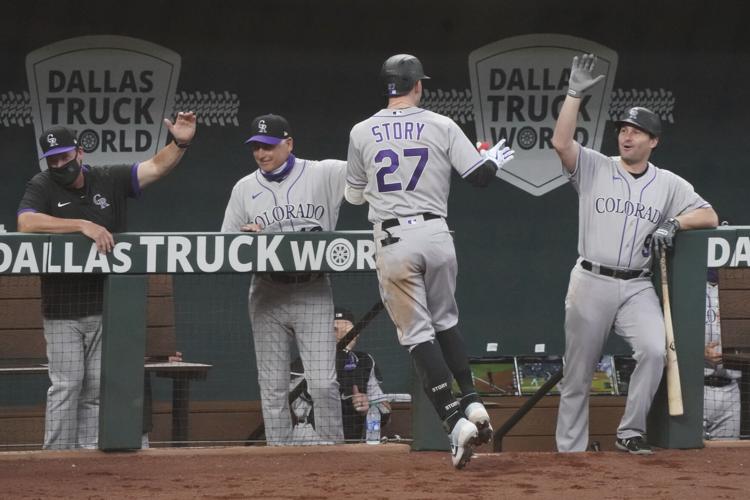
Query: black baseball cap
[269,129]
[57,140]
[345,314]
[642,118]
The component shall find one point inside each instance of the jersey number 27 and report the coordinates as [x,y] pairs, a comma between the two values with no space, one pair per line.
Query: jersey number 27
[393,160]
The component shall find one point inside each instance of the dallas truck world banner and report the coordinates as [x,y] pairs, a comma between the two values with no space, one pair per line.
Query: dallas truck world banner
[189,253]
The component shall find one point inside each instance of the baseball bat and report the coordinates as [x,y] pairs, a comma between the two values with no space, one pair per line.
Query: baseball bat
[341,344]
[674,389]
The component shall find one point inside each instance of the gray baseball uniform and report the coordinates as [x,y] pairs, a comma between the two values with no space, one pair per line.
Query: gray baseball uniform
[403,158]
[297,305]
[721,393]
[618,212]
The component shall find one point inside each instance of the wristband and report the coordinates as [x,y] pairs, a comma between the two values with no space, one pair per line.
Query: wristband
[181,146]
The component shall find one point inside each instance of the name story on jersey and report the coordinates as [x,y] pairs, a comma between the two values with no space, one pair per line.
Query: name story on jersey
[397,130]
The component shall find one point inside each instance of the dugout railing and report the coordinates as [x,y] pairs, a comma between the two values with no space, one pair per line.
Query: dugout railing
[137,255]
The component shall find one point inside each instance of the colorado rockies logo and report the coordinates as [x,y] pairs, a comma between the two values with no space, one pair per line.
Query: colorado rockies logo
[51,140]
[100,201]
[262,128]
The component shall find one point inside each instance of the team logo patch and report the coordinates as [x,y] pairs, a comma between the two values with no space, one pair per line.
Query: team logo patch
[113,91]
[100,201]
[262,127]
[518,85]
[51,140]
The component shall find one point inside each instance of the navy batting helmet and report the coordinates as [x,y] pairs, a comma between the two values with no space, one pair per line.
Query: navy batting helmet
[399,74]
[642,118]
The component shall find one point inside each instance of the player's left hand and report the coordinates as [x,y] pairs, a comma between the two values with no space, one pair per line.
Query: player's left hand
[663,238]
[581,75]
[183,128]
[500,154]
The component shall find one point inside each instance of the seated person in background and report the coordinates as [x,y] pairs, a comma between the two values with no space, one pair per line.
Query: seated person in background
[721,391]
[359,382]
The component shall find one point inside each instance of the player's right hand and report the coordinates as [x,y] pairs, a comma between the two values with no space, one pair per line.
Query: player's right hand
[104,240]
[500,154]
[250,228]
[581,78]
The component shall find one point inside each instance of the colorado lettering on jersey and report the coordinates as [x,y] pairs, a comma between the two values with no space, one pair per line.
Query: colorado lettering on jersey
[627,207]
[408,131]
[289,212]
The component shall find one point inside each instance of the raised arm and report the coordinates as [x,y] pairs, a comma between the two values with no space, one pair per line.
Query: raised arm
[183,131]
[581,80]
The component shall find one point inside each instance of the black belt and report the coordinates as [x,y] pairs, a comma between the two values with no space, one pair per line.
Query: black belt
[622,274]
[292,278]
[395,222]
[716,381]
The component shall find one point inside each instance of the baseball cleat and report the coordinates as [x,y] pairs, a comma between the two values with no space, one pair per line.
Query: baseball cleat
[477,415]
[463,437]
[635,445]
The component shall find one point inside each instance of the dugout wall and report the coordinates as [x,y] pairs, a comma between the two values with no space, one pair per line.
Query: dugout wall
[193,254]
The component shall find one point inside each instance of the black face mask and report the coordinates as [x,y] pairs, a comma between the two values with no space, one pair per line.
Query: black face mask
[67,174]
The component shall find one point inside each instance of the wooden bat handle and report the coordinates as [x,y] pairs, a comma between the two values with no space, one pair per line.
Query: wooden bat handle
[674,388]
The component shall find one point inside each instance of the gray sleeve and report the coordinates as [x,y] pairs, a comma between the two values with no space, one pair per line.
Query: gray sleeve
[235,214]
[356,175]
[463,155]
[337,178]
[587,162]
[683,197]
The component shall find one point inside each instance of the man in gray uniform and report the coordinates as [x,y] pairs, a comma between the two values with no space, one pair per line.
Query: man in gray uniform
[721,390]
[290,194]
[400,162]
[628,209]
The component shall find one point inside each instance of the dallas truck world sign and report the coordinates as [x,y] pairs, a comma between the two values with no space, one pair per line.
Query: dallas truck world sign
[113,91]
[518,85]
[189,253]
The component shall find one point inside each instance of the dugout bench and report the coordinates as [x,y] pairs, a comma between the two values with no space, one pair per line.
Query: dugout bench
[23,349]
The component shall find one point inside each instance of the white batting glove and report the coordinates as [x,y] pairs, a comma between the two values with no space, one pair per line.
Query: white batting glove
[500,154]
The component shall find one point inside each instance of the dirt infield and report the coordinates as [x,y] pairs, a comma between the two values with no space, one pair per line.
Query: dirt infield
[361,471]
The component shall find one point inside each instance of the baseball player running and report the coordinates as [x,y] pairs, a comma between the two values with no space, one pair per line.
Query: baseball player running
[400,162]
[628,209]
[290,194]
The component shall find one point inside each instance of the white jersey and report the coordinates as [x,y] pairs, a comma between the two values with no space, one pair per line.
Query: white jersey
[402,159]
[308,198]
[617,212]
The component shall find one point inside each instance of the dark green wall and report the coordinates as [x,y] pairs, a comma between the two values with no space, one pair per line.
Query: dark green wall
[317,63]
